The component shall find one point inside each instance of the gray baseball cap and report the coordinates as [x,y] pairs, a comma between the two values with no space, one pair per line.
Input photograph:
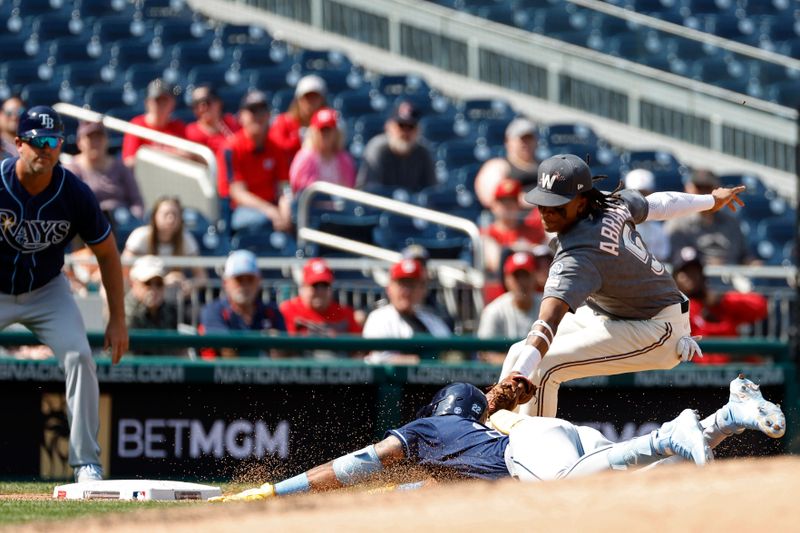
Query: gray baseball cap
[561,178]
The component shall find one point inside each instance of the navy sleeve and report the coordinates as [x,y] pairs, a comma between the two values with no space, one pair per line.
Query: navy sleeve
[211,318]
[411,435]
[93,226]
[276,317]
[637,205]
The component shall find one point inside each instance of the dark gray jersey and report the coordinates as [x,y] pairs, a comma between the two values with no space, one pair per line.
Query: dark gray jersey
[604,262]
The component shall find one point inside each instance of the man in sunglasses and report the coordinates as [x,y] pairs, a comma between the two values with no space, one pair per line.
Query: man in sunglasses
[13,106]
[396,158]
[43,207]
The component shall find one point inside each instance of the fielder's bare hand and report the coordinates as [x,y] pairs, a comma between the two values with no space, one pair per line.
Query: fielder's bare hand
[724,196]
[116,339]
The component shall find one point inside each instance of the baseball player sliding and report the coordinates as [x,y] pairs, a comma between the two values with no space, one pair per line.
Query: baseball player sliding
[42,208]
[449,440]
[609,306]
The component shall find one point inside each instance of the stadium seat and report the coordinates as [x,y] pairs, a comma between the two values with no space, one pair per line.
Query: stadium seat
[101,98]
[493,131]
[103,8]
[265,243]
[482,109]
[270,79]
[751,181]
[176,31]
[358,102]
[281,100]
[323,60]
[785,93]
[437,129]
[20,73]
[130,52]
[401,84]
[458,153]
[81,74]
[668,171]
[256,56]
[458,201]
[217,75]
[238,34]
[232,95]
[338,80]
[111,29]
[41,93]
[576,133]
[54,25]
[68,50]
[500,13]
[140,75]
[714,69]
[193,54]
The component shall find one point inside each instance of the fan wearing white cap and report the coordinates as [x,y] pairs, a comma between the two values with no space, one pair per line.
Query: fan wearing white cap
[241,307]
[519,163]
[145,305]
[652,231]
[289,128]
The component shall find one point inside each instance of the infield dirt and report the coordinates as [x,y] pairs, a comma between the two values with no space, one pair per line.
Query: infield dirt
[730,495]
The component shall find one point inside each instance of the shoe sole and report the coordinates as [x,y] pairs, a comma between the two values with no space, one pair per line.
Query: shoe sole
[769,417]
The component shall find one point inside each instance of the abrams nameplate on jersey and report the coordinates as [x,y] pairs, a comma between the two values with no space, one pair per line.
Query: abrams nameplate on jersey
[30,236]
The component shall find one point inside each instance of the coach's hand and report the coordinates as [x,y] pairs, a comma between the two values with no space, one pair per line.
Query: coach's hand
[730,197]
[687,347]
[116,339]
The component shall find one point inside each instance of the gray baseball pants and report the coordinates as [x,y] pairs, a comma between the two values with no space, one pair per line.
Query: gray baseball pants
[51,313]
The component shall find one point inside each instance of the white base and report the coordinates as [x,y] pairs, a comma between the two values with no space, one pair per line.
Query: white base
[135,489]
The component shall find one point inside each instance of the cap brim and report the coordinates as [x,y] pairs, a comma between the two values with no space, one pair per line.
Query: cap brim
[32,134]
[544,198]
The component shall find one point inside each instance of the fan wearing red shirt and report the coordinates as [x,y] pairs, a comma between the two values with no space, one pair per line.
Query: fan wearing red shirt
[509,229]
[714,314]
[314,312]
[159,105]
[252,169]
[213,126]
[288,128]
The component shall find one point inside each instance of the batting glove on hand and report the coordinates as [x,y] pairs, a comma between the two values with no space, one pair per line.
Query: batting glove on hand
[264,492]
[687,347]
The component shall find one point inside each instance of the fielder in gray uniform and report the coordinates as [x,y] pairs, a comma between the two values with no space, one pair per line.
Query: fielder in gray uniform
[42,208]
[609,306]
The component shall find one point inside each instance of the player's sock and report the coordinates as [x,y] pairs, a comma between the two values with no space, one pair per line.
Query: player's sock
[293,485]
[712,432]
[638,451]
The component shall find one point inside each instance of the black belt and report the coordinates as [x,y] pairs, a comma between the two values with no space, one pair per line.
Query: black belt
[684,306]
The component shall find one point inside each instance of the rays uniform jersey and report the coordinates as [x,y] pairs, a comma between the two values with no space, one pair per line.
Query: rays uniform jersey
[35,230]
[450,445]
[604,262]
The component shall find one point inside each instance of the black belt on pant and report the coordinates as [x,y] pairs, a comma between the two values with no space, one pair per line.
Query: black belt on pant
[684,306]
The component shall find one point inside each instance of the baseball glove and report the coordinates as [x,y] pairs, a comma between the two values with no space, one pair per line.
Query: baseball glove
[515,389]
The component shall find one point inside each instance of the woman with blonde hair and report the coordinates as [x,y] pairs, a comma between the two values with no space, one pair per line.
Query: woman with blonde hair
[323,157]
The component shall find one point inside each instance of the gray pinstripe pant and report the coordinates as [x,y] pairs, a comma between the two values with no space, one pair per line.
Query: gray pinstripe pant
[51,313]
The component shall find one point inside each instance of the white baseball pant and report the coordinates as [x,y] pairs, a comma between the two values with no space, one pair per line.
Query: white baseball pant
[587,344]
[51,313]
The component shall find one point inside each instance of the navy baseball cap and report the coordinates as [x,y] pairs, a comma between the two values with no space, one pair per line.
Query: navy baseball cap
[561,178]
[40,121]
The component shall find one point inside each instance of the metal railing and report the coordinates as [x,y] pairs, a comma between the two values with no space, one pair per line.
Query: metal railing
[209,185]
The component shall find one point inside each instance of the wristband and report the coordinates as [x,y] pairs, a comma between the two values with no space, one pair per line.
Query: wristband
[541,335]
[293,485]
[546,326]
[527,361]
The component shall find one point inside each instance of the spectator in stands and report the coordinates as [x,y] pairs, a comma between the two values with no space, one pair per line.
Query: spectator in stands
[651,231]
[519,164]
[165,236]
[395,158]
[711,313]
[13,107]
[717,236]
[511,315]
[213,126]
[544,258]
[159,105]
[252,169]
[509,229]
[323,157]
[288,129]
[145,304]
[241,307]
[404,316]
[314,311]
[110,180]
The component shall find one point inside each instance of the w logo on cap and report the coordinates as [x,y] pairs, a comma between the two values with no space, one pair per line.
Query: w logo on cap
[547,180]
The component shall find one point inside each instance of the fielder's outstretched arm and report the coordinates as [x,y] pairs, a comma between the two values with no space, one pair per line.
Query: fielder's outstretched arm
[351,469]
[524,356]
[668,205]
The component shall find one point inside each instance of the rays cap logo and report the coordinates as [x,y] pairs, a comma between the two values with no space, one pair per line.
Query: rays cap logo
[561,178]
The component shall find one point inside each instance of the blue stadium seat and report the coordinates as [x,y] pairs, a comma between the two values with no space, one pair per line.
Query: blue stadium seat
[609,25]
[117,28]
[232,95]
[437,129]
[668,171]
[41,93]
[103,8]
[175,31]
[281,100]
[271,79]
[780,27]
[751,181]
[397,231]
[458,201]
[217,75]
[265,243]
[482,109]
[634,46]
[101,98]
[19,73]
[338,80]
[11,45]
[238,34]
[124,222]
[493,131]
[323,59]
[140,75]
[192,54]
[401,84]
[130,52]
[500,13]
[55,25]
[576,133]
[69,50]
[255,56]
[714,69]
[458,153]
[81,74]
[785,93]
[463,176]
[28,8]
[357,102]
[355,224]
